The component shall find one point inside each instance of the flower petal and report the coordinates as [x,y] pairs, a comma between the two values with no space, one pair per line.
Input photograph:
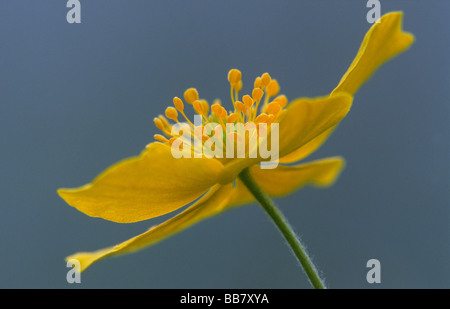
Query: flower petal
[303,120]
[283,180]
[212,203]
[308,148]
[383,41]
[140,188]
[306,119]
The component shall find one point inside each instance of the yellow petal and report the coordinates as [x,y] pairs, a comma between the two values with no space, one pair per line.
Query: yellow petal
[140,188]
[383,41]
[283,180]
[212,203]
[308,148]
[303,120]
[306,119]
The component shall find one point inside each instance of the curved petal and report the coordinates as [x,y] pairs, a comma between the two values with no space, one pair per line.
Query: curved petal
[140,188]
[382,42]
[308,148]
[303,120]
[306,119]
[212,203]
[283,180]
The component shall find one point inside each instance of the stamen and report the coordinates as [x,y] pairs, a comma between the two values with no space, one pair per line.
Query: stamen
[180,107]
[282,100]
[232,118]
[241,107]
[172,113]
[273,108]
[178,104]
[165,122]
[205,107]
[159,124]
[265,80]
[198,107]
[257,94]
[244,110]
[257,83]
[261,118]
[191,95]
[248,101]
[234,76]
[272,88]
[160,138]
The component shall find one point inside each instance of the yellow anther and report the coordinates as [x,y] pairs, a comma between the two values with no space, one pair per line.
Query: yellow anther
[271,119]
[158,123]
[219,111]
[282,100]
[223,112]
[272,88]
[172,113]
[205,107]
[178,104]
[160,138]
[257,94]
[248,101]
[234,76]
[198,107]
[273,108]
[232,118]
[261,118]
[238,86]
[265,80]
[257,83]
[165,122]
[240,106]
[216,109]
[191,95]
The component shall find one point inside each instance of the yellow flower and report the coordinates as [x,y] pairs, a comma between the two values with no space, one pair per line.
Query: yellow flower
[155,183]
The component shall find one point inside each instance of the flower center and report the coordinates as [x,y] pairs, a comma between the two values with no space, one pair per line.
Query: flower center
[263,106]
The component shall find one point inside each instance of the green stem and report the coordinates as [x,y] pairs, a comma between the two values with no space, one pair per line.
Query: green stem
[280,221]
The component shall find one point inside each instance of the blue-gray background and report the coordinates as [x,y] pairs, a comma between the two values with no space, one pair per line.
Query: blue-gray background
[76,98]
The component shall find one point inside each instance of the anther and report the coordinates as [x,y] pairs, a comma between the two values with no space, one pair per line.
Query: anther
[191,95]
[240,106]
[257,94]
[158,123]
[178,104]
[273,108]
[232,118]
[257,83]
[234,76]
[165,122]
[217,109]
[160,138]
[282,100]
[198,107]
[172,113]
[205,107]
[248,101]
[272,88]
[261,118]
[238,86]
[265,80]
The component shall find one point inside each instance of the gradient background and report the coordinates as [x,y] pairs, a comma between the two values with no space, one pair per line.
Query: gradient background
[76,98]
